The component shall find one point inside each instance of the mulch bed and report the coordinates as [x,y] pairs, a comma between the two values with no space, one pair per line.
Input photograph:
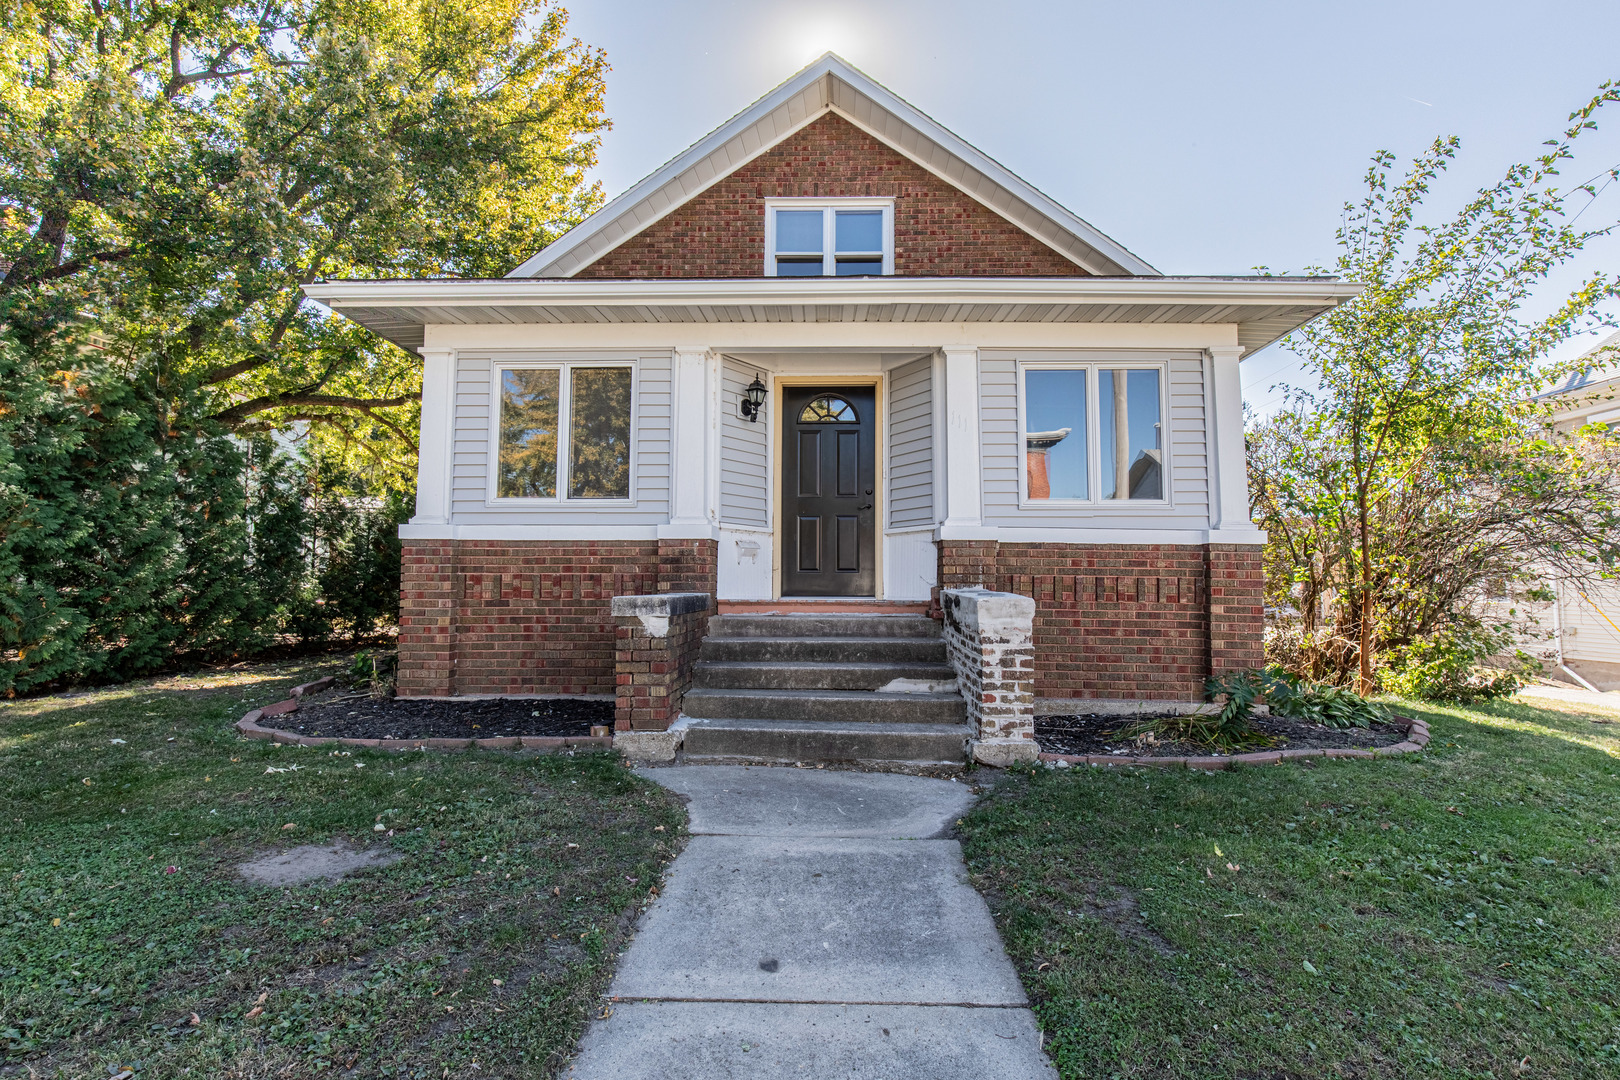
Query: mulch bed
[1096,733]
[346,714]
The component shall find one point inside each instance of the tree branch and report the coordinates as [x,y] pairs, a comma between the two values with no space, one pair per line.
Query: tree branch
[237,413]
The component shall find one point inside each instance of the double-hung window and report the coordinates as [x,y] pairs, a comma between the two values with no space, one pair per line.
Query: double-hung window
[829,238]
[563,431]
[1092,433]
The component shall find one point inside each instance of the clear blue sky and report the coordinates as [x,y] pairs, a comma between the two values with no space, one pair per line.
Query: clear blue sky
[1209,138]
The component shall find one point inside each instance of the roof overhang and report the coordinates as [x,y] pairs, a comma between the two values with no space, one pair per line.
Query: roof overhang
[830,85]
[1262,308]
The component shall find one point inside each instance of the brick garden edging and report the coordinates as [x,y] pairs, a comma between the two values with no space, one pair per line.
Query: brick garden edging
[250,728]
[1417,737]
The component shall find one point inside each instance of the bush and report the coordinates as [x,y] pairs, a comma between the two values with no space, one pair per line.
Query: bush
[1451,667]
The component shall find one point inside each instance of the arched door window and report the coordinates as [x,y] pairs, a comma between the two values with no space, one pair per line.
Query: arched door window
[828,409]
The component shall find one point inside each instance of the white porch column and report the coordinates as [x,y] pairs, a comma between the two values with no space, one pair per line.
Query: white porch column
[1229,477]
[690,445]
[434,464]
[963,508]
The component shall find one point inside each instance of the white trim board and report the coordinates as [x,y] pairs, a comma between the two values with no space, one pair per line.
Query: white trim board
[830,84]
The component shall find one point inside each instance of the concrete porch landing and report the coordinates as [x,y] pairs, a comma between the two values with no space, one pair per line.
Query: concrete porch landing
[817,925]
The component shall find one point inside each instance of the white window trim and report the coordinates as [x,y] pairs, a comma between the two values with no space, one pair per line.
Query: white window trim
[1094,434]
[565,386]
[829,256]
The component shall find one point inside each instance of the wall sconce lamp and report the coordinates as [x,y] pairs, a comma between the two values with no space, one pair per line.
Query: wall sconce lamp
[753,398]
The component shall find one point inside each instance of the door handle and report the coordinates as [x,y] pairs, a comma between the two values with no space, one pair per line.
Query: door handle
[864,506]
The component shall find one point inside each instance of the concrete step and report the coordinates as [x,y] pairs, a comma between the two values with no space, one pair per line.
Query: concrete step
[822,626]
[866,650]
[812,740]
[844,706]
[838,675]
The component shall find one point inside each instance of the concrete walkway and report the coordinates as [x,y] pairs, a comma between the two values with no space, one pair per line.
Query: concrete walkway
[1573,695]
[817,925]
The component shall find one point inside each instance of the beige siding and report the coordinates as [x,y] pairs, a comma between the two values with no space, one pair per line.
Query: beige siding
[650,452]
[1587,634]
[1186,445]
[744,454]
[911,446]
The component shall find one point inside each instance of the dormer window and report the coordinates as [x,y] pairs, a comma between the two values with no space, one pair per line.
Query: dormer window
[829,237]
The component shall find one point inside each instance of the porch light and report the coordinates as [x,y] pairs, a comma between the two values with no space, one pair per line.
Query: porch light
[753,398]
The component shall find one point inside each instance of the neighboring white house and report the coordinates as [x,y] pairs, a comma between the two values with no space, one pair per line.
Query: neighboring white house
[1584,617]
[832,353]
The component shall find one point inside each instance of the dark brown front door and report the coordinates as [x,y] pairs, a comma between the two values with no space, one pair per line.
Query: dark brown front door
[828,510]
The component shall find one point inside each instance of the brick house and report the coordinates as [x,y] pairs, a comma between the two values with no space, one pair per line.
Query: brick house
[955,383]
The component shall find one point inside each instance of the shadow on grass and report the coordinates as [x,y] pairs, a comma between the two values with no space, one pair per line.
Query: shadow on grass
[1444,914]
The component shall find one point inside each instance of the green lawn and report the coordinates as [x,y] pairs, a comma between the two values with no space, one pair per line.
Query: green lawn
[1450,914]
[488,943]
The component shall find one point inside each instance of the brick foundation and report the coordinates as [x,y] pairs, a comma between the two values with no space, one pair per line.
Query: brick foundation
[528,616]
[1125,622]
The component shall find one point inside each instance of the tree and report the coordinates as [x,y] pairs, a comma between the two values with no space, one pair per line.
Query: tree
[170,174]
[1421,467]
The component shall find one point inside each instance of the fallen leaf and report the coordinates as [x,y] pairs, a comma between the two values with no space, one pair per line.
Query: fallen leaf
[117,742]
[1454,810]
[289,825]
[196,1021]
[1219,852]
[658,828]
[1311,968]
[171,869]
[1234,867]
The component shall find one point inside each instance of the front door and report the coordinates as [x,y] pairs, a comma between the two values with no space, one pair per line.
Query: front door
[829,514]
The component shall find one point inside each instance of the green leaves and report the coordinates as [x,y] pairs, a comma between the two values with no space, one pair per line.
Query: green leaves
[1423,467]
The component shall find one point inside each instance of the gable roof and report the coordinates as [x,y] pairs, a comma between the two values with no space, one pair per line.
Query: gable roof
[832,85]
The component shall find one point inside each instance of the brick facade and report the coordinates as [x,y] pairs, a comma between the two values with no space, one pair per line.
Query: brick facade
[1130,622]
[528,616]
[938,229]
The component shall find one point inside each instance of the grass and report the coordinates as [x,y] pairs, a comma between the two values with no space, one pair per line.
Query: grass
[128,938]
[1449,914]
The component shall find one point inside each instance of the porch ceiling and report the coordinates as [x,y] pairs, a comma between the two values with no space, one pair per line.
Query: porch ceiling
[1263,308]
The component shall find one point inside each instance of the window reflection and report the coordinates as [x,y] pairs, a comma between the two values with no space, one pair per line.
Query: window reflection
[528,438]
[1131,456]
[1055,435]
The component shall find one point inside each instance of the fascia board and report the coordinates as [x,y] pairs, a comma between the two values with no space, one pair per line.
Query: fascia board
[554,260]
[987,167]
[741,291]
[802,99]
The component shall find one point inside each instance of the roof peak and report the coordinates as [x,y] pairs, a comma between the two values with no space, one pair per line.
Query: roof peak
[831,84]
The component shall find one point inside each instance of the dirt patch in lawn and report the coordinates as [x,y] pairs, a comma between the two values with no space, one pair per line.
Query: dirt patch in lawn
[1098,733]
[310,862]
[344,714]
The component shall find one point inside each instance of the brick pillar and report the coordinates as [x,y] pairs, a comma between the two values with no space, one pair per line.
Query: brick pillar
[1237,619]
[427,615]
[989,641]
[656,641]
[688,566]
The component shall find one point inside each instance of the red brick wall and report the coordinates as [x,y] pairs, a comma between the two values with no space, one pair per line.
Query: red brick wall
[527,617]
[654,673]
[1135,622]
[938,230]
